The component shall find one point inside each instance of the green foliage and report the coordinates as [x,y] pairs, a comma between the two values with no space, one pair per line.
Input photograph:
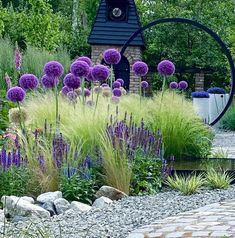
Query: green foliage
[76,188]
[228,121]
[186,184]
[146,175]
[218,180]
[15,181]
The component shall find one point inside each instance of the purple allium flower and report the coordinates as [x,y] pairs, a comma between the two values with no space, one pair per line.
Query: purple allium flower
[49,82]
[166,68]
[115,99]
[18,58]
[117,92]
[8,81]
[54,69]
[200,94]
[104,85]
[140,68]
[121,81]
[183,85]
[65,90]
[72,81]
[116,84]
[85,59]
[16,94]
[87,92]
[28,81]
[72,96]
[89,77]
[80,68]
[173,85]
[107,92]
[100,72]
[216,90]
[112,56]
[144,84]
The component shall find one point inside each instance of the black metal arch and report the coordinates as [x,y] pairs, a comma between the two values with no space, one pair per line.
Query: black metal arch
[207,30]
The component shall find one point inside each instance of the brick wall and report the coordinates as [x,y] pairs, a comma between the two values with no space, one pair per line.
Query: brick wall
[132,53]
[199,81]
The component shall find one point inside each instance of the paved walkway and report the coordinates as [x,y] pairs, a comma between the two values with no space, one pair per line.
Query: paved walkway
[225,141]
[215,220]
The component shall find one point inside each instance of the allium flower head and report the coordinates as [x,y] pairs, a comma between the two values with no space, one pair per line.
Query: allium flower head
[18,58]
[112,56]
[117,92]
[116,84]
[80,68]
[121,81]
[85,59]
[144,84]
[107,92]
[173,85]
[97,89]
[64,91]
[54,69]
[216,90]
[104,85]
[166,68]
[100,72]
[140,68]
[89,77]
[72,96]
[87,92]
[183,85]
[16,94]
[115,99]
[124,92]
[17,116]
[200,94]
[49,82]
[78,91]
[28,81]
[90,103]
[72,81]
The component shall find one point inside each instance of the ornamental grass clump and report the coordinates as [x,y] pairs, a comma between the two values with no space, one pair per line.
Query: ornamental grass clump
[218,179]
[228,121]
[186,184]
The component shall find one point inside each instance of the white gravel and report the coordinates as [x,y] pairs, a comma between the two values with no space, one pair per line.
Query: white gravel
[120,218]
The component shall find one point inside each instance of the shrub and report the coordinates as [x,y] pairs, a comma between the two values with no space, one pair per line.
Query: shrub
[218,180]
[228,121]
[187,185]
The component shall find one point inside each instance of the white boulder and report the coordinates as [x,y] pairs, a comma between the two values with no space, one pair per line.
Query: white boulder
[61,205]
[101,202]
[49,197]
[80,206]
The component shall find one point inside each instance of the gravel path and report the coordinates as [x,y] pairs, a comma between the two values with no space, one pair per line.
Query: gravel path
[224,141]
[120,218]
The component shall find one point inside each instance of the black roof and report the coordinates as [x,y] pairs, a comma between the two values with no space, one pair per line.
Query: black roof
[106,32]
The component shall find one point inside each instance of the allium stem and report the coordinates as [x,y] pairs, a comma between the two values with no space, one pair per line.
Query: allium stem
[163,89]
[140,91]
[96,103]
[83,93]
[111,77]
[56,104]
[21,125]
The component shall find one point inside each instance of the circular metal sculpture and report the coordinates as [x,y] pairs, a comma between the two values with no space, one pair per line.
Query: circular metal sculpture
[207,30]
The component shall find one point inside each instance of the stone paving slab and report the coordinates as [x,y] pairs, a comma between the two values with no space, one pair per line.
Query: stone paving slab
[215,220]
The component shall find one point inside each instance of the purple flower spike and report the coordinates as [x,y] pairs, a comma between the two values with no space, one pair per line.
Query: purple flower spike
[28,81]
[80,68]
[117,92]
[116,84]
[112,56]
[8,81]
[65,90]
[173,85]
[18,59]
[100,72]
[144,84]
[121,81]
[183,85]
[71,81]
[54,69]
[166,68]
[140,68]
[87,92]
[16,94]
[49,82]
[85,59]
